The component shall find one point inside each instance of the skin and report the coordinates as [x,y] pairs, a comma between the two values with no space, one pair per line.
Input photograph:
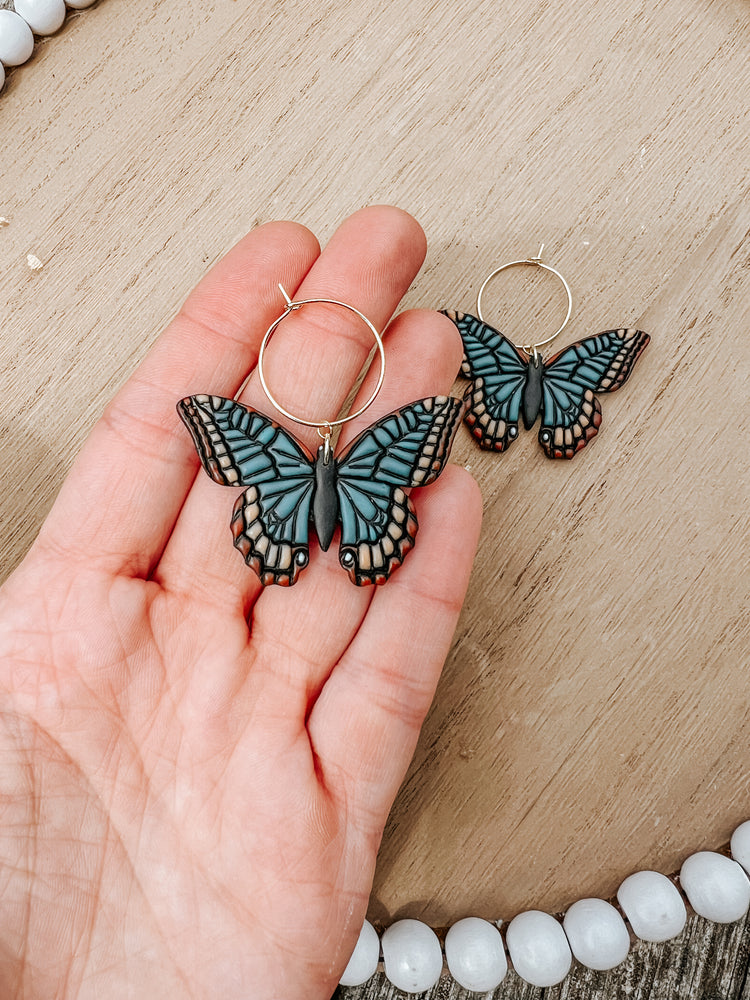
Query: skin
[195,772]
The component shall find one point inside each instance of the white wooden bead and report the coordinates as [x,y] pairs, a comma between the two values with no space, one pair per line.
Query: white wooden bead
[2,76]
[364,960]
[539,950]
[597,934]
[740,845]
[80,4]
[717,887]
[44,17]
[16,39]
[412,956]
[653,905]
[475,954]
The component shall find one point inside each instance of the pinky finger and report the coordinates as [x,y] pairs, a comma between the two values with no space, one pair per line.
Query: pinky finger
[365,724]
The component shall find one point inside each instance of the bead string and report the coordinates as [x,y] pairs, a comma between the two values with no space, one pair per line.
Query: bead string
[541,948]
[29,18]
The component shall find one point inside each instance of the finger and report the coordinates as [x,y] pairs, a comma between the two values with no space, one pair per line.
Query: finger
[365,724]
[316,354]
[313,359]
[126,488]
[303,639]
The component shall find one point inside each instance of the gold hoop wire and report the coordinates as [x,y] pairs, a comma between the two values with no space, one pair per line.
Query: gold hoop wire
[534,262]
[290,307]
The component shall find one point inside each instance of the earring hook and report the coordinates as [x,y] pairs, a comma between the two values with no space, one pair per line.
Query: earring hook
[531,349]
[325,427]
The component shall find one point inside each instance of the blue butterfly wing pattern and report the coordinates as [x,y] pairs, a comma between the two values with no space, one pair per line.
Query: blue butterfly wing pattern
[498,371]
[571,413]
[238,446]
[407,448]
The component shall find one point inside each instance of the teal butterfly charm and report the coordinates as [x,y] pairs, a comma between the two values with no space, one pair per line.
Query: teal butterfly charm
[286,488]
[509,385]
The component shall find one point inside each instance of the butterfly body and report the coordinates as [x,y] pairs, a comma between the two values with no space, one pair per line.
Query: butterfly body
[325,504]
[531,403]
[286,489]
[510,385]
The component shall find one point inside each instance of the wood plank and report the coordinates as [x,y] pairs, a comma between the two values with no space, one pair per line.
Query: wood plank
[610,659]
[592,716]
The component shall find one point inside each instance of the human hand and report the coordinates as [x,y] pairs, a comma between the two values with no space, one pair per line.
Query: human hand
[196,772]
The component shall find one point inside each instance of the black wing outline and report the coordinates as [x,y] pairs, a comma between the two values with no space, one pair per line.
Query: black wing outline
[404,449]
[498,371]
[571,413]
[240,447]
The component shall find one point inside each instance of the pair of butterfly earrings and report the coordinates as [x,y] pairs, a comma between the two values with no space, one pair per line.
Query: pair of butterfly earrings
[364,490]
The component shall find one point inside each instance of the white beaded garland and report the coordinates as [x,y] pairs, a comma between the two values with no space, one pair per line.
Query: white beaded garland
[16,39]
[739,845]
[412,956]
[44,17]
[364,960]
[717,887]
[475,954]
[30,17]
[538,948]
[653,906]
[597,934]
[541,949]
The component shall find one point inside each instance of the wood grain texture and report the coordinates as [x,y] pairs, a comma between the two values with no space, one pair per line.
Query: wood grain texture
[706,962]
[592,718]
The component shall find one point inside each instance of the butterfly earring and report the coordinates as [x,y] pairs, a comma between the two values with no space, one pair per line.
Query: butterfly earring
[512,380]
[286,488]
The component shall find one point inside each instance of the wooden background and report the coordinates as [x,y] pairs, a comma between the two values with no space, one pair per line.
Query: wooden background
[593,716]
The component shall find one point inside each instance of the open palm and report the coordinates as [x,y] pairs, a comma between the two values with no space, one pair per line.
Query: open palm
[195,772]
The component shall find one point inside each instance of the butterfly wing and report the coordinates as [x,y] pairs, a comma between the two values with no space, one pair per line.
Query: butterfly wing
[571,413]
[239,447]
[498,371]
[407,448]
